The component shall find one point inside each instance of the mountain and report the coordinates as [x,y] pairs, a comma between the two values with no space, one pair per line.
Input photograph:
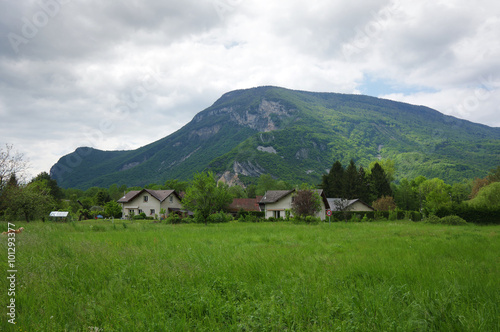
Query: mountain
[294,136]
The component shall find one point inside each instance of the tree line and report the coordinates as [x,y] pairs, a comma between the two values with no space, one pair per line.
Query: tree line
[354,183]
[34,199]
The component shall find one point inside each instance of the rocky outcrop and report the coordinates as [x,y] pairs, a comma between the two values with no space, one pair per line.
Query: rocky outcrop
[205,132]
[268,149]
[266,118]
[248,168]
[231,179]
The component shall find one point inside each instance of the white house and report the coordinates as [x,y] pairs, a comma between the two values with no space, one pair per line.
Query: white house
[150,202]
[276,202]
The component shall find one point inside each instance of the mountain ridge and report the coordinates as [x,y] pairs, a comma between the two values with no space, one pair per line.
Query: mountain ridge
[296,136]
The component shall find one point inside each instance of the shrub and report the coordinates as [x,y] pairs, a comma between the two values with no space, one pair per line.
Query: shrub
[393,215]
[306,219]
[453,220]
[384,203]
[173,218]
[355,218]
[249,218]
[219,217]
[415,216]
[139,217]
[433,219]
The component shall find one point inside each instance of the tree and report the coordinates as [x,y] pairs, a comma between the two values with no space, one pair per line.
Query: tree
[436,193]
[351,183]
[306,202]
[460,191]
[204,197]
[333,181]
[102,197]
[384,203]
[364,185]
[405,196]
[388,166]
[30,201]
[12,166]
[379,183]
[113,209]
[477,184]
[237,192]
[488,196]
[11,162]
[54,190]
[494,175]
[178,186]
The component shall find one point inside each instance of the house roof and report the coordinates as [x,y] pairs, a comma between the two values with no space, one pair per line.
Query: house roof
[160,195]
[333,206]
[272,196]
[246,204]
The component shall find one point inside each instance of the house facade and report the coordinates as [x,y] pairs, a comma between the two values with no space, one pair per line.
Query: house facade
[275,203]
[150,202]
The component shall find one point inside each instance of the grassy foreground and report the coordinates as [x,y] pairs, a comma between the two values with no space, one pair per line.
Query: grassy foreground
[381,276]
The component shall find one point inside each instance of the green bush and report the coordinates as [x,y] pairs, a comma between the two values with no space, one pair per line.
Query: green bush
[173,219]
[249,218]
[306,219]
[433,219]
[138,217]
[415,216]
[453,220]
[219,217]
[393,215]
[355,218]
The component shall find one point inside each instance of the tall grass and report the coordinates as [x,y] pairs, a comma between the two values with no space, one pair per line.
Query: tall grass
[386,276]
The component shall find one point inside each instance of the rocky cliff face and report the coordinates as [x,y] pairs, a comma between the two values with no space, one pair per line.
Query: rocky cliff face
[267,117]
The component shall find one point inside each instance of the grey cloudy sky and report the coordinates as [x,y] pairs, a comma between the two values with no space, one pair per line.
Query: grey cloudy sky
[121,74]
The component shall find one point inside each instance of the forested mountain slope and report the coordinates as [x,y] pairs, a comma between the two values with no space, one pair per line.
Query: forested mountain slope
[295,136]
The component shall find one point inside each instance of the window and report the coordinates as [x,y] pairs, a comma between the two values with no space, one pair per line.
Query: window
[171,199]
[140,211]
[152,212]
[277,214]
[146,198]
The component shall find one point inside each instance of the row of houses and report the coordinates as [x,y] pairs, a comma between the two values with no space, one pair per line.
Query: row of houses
[274,203]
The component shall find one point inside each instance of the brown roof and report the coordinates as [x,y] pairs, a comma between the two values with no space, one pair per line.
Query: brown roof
[160,195]
[246,204]
[273,196]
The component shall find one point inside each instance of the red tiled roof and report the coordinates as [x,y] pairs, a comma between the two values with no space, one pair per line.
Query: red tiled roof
[246,204]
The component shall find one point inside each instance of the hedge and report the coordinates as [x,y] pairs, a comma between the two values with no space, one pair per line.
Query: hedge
[476,215]
[375,215]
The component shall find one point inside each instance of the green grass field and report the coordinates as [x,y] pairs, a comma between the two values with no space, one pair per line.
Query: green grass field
[379,276]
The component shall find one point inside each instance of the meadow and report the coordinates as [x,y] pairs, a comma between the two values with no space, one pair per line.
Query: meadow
[377,276]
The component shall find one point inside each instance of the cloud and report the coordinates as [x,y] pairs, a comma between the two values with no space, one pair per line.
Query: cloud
[119,75]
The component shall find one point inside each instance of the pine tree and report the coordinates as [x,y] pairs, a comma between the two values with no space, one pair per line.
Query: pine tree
[351,182]
[334,181]
[364,188]
[380,186]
